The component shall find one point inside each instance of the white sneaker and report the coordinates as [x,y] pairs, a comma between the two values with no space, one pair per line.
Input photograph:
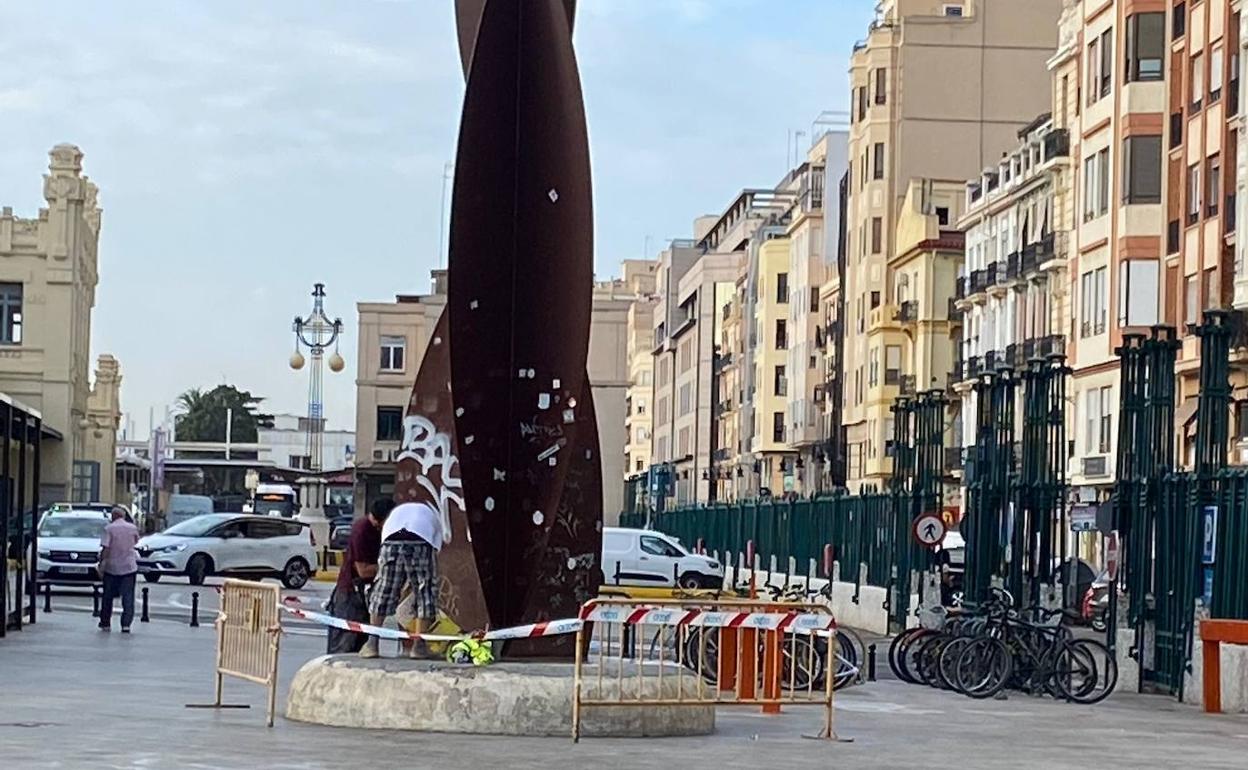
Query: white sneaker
[369,650]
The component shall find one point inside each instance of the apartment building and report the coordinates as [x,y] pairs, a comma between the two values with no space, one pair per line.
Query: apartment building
[638,419]
[770,330]
[49,268]
[1240,290]
[811,233]
[1202,42]
[1014,291]
[830,336]
[696,280]
[728,466]
[939,91]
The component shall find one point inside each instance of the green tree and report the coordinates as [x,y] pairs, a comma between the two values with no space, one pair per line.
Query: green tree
[202,415]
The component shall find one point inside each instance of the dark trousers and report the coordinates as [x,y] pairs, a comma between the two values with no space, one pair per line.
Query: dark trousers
[347,605]
[114,586]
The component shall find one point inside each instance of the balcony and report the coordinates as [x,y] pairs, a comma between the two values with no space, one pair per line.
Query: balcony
[990,275]
[957,373]
[1052,345]
[993,360]
[952,312]
[907,385]
[1014,356]
[1056,144]
[1029,349]
[977,283]
[974,367]
[959,287]
[1013,266]
[908,312]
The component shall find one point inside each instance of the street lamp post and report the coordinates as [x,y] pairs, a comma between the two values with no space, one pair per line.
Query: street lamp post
[318,334]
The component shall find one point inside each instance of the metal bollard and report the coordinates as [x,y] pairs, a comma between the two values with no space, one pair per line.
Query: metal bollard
[871,663]
[143,618]
[47,597]
[194,609]
[95,600]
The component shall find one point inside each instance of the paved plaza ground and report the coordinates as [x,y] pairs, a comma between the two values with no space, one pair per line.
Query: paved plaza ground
[71,697]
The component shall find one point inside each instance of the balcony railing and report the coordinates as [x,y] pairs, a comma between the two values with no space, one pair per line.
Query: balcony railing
[1014,356]
[990,275]
[907,385]
[1029,348]
[974,367]
[977,283]
[1052,345]
[992,360]
[1014,264]
[1056,144]
[957,373]
[908,312]
[953,313]
[959,287]
[1095,467]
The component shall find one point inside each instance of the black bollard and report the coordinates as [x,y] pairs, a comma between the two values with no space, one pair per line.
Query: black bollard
[95,600]
[143,618]
[871,663]
[47,597]
[195,609]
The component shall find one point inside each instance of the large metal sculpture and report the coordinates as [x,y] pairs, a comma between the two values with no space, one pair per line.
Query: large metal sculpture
[500,431]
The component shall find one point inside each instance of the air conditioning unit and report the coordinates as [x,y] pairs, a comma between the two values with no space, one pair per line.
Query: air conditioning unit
[378,454]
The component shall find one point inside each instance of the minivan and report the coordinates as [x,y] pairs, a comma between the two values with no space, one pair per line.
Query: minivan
[643,557]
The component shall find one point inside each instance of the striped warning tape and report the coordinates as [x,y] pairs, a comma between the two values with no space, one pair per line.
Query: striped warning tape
[763,621]
[533,630]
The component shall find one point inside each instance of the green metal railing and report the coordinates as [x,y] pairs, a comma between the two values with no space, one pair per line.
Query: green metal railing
[860,529]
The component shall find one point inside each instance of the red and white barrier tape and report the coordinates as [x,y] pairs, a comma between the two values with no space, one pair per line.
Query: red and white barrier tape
[549,628]
[762,621]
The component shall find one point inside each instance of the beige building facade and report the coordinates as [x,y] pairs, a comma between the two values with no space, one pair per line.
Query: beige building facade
[393,337]
[49,268]
[939,90]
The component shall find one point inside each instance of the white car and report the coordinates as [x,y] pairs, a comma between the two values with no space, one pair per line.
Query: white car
[642,557]
[69,544]
[234,544]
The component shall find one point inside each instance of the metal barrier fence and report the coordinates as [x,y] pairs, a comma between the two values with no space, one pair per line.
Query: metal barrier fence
[249,632]
[860,528]
[704,653]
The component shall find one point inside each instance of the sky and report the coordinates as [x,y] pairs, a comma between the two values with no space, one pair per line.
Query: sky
[245,149]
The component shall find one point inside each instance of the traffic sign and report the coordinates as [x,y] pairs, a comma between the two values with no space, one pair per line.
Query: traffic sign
[929,530]
[1209,541]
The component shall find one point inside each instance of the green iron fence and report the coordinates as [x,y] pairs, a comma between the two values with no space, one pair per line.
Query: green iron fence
[860,528]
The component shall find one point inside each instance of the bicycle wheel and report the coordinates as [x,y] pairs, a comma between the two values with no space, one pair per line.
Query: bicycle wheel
[947,664]
[984,667]
[803,663]
[1085,671]
[702,653]
[929,660]
[900,650]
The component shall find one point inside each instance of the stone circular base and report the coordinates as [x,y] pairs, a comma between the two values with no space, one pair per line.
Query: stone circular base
[505,698]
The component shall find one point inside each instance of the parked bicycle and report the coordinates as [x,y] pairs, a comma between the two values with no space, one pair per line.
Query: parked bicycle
[982,650]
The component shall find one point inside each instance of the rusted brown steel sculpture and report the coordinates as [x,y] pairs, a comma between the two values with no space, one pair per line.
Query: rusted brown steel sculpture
[500,431]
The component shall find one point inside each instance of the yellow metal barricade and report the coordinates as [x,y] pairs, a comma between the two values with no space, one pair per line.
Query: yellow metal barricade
[249,634]
[704,652]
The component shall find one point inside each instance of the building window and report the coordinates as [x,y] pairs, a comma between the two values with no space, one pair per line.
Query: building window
[780,384]
[1141,168]
[1107,419]
[877,235]
[1100,67]
[686,399]
[393,350]
[1211,289]
[1191,312]
[1215,74]
[640,406]
[302,462]
[389,423]
[1096,185]
[1093,291]
[814,299]
[782,288]
[942,215]
[877,157]
[1213,183]
[10,313]
[1193,193]
[86,481]
[1138,292]
[777,427]
[782,334]
[1197,81]
[892,364]
[873,368]
[1146,42]
[953,10]
[1179,21]
[881,81]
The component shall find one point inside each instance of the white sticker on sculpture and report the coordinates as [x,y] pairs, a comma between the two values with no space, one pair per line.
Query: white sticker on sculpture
[538,518]
[555,383]
[543,400]
[437,340]
[500,475]
[532,373]
[432,451]
[553,194]
[459,412]
[474,304]
[469,439]
[549,451]
[569,415]
[489,503]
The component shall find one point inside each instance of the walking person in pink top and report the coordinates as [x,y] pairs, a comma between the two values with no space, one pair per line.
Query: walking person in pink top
[119,565]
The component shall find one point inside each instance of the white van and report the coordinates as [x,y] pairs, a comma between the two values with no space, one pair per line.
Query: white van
[643,557]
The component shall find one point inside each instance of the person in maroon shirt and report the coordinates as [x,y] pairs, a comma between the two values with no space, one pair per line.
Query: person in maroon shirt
[359,568]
